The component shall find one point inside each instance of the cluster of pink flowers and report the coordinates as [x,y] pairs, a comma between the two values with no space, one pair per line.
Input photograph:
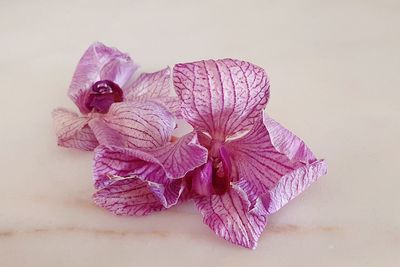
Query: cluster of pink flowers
[237,164]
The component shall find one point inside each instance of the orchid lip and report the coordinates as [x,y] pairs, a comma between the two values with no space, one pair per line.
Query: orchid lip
[215,176]
[222,173]
[102,95]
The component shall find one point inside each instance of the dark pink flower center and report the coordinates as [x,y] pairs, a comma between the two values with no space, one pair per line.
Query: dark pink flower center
[222,172]
[215,176]
[102,95]
[220,179]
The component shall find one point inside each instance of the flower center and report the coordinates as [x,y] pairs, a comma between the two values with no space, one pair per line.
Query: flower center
[102,95]
[220,178]
[214,177]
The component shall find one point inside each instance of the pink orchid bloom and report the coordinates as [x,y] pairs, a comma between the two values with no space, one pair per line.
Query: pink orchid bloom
[113,109]
[238,165]
[254,166]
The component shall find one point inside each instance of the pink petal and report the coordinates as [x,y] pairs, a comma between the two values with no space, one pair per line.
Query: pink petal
[128,197]
[104,134]
[160,168]
[256,196]
[72,131]
[182,156]
[287,143]
[99,62]
[297,181]
[141,124]
[226,161]
[267,163]
[257,160]
[202,180]
[204,140]
[159,165]
[155,86]
[151,85]
[112,162]
[221,97]
[227,216]
[115,164]
[294,183]
[172,104]
[168,193]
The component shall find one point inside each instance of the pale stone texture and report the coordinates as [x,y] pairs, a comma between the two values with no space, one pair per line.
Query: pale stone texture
[334,70]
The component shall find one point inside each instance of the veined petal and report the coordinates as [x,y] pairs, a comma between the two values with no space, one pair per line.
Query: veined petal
[168,193]
[294,183]
[297,181]
[141,124]
[99,62]
[104,134]
[221,97]
[159,165]
[119,70]
[255,195]
[201,180]
[150,85]
[182,156]
[160,168]
[269,165]
[227,215]
[128,197]
[287,143]
[72,131]
[257,160]
[155,86]
[172,104]
[115,163]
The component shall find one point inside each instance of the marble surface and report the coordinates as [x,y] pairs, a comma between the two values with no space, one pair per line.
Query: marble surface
[334,69]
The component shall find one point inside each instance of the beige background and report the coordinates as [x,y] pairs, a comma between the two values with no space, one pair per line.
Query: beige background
[334,69]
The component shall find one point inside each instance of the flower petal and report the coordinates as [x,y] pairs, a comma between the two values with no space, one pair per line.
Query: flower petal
[151,85]
[159,165]
[221,97]
[227,216]
[99,62]
[115,164]
[182,156]
[226,161]
[204,140]
[201,180]
[104,134]
[287,143]
[141,124]
[257,160]
[155,86]
[128,197]
[112,162]
[294,183]
[72,131]
[172,104]
[269,163]
[255,195]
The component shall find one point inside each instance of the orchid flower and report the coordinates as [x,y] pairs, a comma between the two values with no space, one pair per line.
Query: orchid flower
[255,165]
[112,107]
[238,164]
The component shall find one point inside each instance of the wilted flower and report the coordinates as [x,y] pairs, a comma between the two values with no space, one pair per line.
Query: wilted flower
[254,166]
[238,164]
[113,107]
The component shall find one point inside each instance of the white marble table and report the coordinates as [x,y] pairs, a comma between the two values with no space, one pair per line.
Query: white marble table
[334,69]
